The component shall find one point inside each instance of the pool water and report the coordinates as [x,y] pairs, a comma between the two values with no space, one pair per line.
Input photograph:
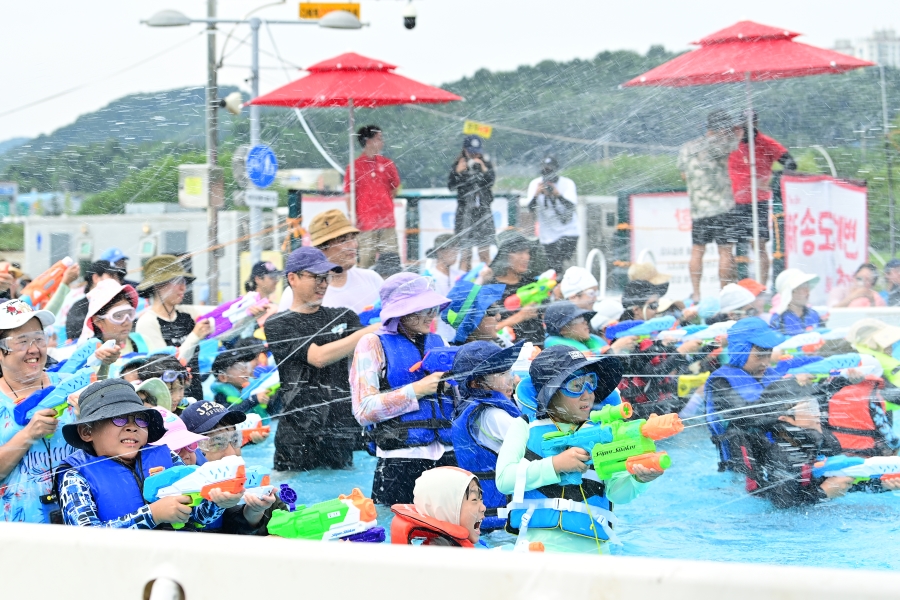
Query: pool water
[692,512]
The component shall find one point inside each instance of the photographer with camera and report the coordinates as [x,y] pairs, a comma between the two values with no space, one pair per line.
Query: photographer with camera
[472,176]
[554,198]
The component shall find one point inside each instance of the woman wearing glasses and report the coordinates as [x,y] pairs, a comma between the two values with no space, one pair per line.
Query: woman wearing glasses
[403,406]
[29,453]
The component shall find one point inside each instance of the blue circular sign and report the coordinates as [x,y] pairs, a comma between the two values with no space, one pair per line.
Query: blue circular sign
[261,166]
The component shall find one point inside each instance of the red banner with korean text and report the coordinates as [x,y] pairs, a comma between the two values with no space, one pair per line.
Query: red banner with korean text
[825,229]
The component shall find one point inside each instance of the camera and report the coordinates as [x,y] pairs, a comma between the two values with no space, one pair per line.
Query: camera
[409,16]
[471,163]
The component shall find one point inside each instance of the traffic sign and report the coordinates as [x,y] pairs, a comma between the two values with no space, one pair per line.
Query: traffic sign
[317,10]
[261,165]
[261,199]
[479,129]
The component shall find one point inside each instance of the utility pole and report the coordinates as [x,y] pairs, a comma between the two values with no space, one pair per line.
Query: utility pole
[889,160]
[255,211]
[216,185]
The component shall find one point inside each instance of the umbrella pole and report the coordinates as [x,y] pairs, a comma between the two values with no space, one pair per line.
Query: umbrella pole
[352,168]
[751,144]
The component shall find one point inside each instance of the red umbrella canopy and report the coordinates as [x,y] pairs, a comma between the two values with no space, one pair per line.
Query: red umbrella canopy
[368,82]
[747,47]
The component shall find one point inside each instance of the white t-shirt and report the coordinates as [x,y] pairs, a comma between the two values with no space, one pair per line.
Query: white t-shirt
[491,427]
[359,291]
[550,225]
[442,285]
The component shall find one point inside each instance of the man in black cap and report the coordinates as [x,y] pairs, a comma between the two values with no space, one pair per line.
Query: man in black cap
[312,344]
[472,177]
[554,199]
[97,272]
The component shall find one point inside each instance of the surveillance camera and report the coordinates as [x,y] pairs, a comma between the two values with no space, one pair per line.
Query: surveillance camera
[409,16]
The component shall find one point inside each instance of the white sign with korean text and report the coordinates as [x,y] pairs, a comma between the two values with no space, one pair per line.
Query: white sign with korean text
[825,230]
[661,233]
[437,215]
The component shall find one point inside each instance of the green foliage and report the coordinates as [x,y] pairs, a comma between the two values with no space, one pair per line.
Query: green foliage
[12,237]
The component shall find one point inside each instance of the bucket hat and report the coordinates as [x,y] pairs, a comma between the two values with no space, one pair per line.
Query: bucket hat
[557,363]
[107,399]
[476,359]
[559,314]
[329,225]
[405,293]
[157,388]
[162,269]
[647,272]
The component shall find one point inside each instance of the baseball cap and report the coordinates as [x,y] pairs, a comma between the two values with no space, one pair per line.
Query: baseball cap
[755,331]
[733,297]
[113,255]
[894,263]
[227,358]
[557,363]
[756,288]
[101,267]
[473,144]
[310,259]
[202,417]
[560,314]
[263,268]
[15,313]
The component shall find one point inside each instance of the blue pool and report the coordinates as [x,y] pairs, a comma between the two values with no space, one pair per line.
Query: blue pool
[693,512]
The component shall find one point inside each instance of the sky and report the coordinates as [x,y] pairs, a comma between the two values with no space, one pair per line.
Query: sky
[52,46]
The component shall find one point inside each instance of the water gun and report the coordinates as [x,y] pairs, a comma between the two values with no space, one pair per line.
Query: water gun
[650,328]
[79,358]
[269,381]
[840,364]
[258,483]
[688,383]
[618,330]
[633,443]
[861,469]
[587,438]
[533,293]
[251,424]
[437,360]
[371,314]
[472,275]
[92,360]
[710,333]
[802,343]
[330,520]
[55,396]
[677,335]
[41,289]
[227,474]
[226,316]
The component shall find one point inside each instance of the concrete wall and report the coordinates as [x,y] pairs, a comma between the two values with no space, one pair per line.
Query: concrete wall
[75,563]
[127,231]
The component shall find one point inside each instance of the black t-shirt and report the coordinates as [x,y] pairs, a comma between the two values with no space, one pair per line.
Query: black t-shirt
[173,334]
[75,319]
[325,391]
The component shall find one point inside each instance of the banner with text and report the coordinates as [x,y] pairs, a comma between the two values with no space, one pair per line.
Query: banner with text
[825,230]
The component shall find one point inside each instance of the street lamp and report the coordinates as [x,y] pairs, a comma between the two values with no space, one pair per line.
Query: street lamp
[215,189]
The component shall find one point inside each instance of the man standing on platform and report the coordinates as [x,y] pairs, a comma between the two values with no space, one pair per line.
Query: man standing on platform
[377,182]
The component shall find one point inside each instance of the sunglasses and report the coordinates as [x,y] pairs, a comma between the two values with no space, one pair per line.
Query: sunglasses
[171,376]
[220,441]
[124,315]
[139,420]
[574,387]
[652,305]
[23,341]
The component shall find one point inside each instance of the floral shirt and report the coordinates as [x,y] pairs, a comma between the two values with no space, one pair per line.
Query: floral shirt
[79,508]
[704,162]
[21,490]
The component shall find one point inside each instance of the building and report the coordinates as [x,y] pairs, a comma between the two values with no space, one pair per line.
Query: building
[882,47]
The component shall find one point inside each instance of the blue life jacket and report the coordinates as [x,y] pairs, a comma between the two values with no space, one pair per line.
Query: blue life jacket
[577,509]
[434,418]
[789,323]
[117,490]
[481,461]
[748,387]
[137,340]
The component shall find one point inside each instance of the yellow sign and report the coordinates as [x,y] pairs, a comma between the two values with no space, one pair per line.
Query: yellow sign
[479,129]
[317,10]
[193,186]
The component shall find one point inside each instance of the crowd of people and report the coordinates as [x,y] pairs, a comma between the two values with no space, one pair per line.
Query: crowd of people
[454,378]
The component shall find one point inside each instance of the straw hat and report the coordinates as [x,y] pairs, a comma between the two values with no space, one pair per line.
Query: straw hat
[874,334]
[647,272]
[329,225]
[162,269]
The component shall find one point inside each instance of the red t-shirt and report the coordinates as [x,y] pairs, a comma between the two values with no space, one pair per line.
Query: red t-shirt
[376,180]
[768,151]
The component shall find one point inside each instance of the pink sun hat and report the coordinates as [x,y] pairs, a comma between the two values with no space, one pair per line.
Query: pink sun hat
[177,434]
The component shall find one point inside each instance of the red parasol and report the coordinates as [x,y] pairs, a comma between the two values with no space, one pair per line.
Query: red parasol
[353,80]
[748,51]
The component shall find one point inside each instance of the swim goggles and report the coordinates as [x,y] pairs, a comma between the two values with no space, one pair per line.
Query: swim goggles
[220,441]
[575,386]
[123,315]
[171,376]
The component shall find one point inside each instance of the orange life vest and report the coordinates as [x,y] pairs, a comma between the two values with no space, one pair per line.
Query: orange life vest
[409,524]
[850,417]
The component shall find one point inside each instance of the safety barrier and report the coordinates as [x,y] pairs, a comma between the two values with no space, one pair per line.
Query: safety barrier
[77,563]
[593,255]
[846,317]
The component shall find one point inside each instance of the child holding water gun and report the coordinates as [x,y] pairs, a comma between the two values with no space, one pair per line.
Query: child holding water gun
[564,383]
[447,510]
[101,484]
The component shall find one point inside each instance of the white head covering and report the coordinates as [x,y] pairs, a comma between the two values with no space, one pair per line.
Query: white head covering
[733,297]
[577,280]
[439,493]
[608,310]
[787,282]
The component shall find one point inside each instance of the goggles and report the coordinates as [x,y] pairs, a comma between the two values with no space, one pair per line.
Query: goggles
[139,420]
[23,341]
[221,441]
[493,312]
[171,376]
[575,386]
[119,317]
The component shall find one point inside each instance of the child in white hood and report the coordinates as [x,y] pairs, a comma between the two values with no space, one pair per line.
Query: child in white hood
[447,511]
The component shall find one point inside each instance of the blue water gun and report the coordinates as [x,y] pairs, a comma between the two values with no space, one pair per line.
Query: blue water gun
[437,360]
[861,469]
[79,358]
[268,380]
[618,330]
[371,314]
[650,328]
[55,396]
[472,275]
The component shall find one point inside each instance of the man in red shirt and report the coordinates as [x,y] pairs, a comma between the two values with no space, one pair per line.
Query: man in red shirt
[768,152]
[377,182]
